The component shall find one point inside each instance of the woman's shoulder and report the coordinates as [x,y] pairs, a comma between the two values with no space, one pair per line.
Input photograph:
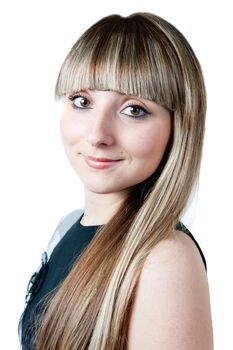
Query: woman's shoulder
[172,303]
[179,249]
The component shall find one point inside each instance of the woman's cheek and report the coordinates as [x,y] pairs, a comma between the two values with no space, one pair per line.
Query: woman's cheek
[150,145]
[70,132]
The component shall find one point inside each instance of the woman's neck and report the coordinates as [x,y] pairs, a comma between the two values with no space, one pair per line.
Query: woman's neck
[99,208]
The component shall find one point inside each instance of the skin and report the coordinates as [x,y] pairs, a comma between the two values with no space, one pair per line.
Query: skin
[105,127]
[172,304]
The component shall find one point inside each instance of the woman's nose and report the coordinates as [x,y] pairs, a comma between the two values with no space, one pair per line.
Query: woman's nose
[100,131]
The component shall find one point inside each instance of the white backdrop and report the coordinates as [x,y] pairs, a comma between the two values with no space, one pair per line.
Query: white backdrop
[37,184]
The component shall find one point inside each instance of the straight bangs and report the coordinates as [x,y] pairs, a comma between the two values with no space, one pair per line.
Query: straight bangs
[122,55]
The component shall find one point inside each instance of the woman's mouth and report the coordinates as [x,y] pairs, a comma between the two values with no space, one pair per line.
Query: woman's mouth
[100,162]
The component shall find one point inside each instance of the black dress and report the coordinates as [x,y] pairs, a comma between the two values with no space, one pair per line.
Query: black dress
[54,271]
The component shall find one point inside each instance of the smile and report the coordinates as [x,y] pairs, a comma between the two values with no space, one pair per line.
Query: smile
[100,163]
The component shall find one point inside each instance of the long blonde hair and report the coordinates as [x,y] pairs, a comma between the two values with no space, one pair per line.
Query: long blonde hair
[142,55]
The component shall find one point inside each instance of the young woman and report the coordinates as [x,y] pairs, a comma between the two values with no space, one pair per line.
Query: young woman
[126,273]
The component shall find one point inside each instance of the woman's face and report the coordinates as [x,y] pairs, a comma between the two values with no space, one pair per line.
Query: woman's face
[113,141]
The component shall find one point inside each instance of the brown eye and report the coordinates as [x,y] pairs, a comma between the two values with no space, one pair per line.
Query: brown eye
[135,111]
[79,101]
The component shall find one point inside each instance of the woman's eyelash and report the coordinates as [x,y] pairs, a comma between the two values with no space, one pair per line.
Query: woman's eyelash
[73,97]
[135,105]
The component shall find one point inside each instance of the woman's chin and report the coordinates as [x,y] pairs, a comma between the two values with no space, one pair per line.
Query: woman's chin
[104,188]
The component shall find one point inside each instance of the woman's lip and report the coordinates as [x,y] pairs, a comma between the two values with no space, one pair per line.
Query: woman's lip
[101,159]
[100,162]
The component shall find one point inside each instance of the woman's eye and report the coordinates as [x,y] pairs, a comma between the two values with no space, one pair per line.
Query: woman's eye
[135,111]
[80,101]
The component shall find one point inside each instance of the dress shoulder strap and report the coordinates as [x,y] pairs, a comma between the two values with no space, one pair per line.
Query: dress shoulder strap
[63,226]
[180,226]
